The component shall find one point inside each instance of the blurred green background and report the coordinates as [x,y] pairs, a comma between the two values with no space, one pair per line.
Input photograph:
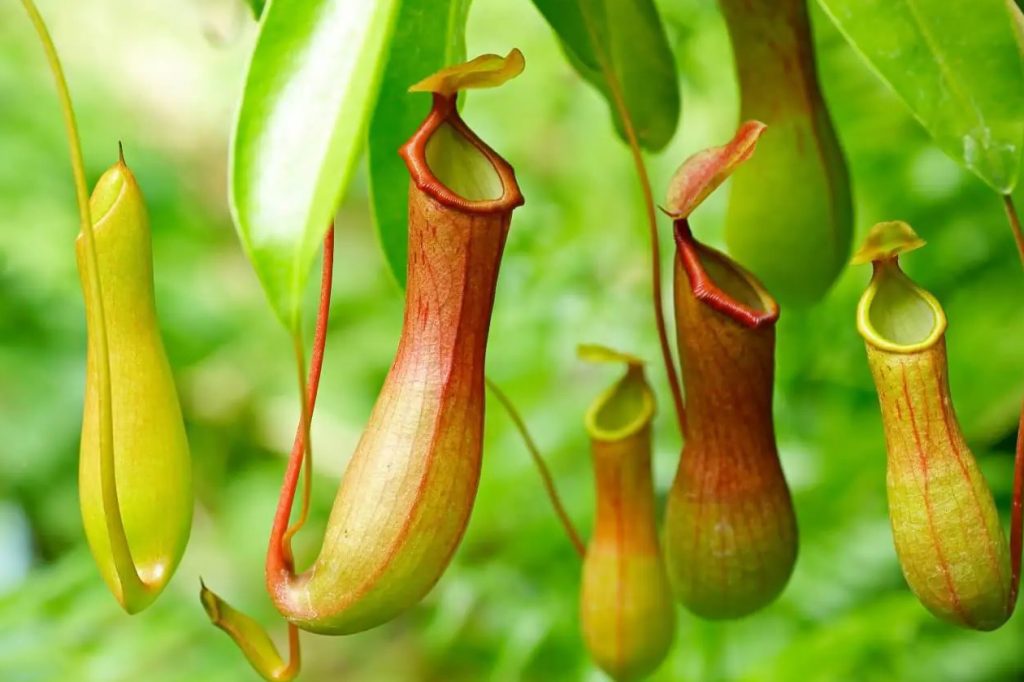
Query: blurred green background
[163,78]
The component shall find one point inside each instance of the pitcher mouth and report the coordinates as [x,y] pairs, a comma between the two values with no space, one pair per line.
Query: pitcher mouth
[623,410]
[897,315]
[716,280]
[447,161]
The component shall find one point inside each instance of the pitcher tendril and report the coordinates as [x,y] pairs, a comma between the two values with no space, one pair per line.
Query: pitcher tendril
[1017,514]
[135,486]
[302,449]
[1014,219]
[122,553]
[651,213]
[247,633]
[542,467]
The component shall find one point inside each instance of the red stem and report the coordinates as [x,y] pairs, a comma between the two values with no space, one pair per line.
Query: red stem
[657,296]
[1017,514]
[294,653]
[619,102]
[1014,220]
[279,553]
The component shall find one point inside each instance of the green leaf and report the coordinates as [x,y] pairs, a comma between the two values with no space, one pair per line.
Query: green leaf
[429,35]
[311,84]
[957,65]
[620,47]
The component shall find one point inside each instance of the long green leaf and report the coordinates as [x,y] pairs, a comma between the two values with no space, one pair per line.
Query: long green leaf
[311,84]
[957,65]
[429,35]
[620,47]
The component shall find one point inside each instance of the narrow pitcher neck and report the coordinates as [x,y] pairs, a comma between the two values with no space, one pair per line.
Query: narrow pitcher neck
[625,492]
[453,264]
[725,330]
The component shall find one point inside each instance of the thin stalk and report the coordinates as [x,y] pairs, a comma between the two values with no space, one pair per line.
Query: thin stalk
[279,554]
[545,473]
[251,638]
[1014,219]
[1017,514]
[656,292]
[305,439]
[124,565]
[712,649]
[619,102]
[294,654]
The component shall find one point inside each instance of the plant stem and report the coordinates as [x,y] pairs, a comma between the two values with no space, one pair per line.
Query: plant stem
[294,654]
[713,645]
[127,575]
[619,102]
[247,634]
[279,553]
[1014,219]
[1017,514]
[303,439]
[1016,511]
[656,293]
[545,473]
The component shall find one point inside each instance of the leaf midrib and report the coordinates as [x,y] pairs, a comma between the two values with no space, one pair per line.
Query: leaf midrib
[940,62]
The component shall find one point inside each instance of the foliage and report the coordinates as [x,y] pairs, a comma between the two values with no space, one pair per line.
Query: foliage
[620,47]
[575,270]
[305,106]
[428,36]
[959,69]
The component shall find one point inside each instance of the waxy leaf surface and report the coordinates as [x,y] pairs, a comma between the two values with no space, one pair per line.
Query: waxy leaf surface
[620,47]
[311,85]
[429,35]
[957,65]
